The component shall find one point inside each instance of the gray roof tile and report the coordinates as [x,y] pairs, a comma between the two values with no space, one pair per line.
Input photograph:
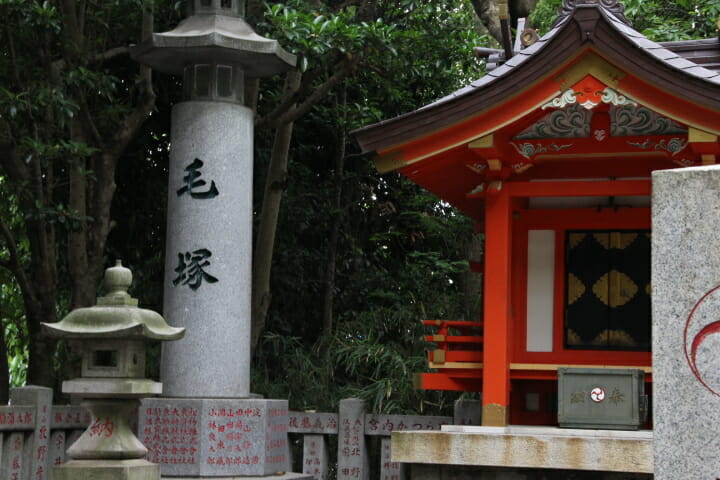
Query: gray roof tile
[517,59]
[644,42]
[502,69]
[701,72]
[680,62]
[661,53]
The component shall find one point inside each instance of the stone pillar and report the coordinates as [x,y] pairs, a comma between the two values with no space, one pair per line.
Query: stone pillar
[11,456]
[352,450]
[686,320]
[390,470]
[315,456]
[467,412]
[208,255]
[37,445]
[207,425]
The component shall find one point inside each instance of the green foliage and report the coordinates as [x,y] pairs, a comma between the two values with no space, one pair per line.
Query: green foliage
[400,251]
[659,20]
[12,315]
[316,35]
[71,100]
[12,321]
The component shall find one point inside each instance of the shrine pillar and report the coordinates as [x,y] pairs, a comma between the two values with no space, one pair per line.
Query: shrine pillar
[496,309]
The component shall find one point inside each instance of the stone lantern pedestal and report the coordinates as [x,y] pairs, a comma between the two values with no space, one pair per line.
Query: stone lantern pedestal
[111,339]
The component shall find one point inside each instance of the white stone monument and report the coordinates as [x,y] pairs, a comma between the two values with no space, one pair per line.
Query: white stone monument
[207,425]
[686,323]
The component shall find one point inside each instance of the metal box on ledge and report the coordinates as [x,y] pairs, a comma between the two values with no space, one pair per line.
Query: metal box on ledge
[601,398]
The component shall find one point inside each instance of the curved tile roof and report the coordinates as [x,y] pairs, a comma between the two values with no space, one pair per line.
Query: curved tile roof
[697,60]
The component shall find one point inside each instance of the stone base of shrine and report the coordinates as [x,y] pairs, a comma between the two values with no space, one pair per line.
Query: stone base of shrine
[217,438]
[460,452]
[107,469]
[284,476]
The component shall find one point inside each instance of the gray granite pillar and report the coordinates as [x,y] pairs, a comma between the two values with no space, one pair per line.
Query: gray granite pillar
[467,412]
[352,450]
[207,425]
[37,445]
[315,456]
[11,457]
[208,255]
[390,470]
[686,320]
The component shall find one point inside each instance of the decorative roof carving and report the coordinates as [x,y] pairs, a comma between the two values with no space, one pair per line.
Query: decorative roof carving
[570,122]
[529,150]
[628,121]
[613,7]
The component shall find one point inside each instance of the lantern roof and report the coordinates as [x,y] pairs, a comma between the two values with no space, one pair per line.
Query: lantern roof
[214,37]
[116,315]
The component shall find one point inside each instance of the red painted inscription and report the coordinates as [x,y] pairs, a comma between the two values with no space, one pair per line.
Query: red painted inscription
[171,435]
[229,434]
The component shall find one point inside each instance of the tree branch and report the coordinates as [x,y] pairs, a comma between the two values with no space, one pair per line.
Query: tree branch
[60,64]
[13,58]
[13,263]
[110,54]
[290,115]
[72,29]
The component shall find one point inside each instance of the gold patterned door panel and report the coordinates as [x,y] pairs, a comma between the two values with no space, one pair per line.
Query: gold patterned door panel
[607,290]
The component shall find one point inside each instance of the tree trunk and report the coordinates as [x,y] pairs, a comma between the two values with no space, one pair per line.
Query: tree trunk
[41,309]
[471,282]
[487,12]
[339,177]
[4,368]
[77,239]
[265,241]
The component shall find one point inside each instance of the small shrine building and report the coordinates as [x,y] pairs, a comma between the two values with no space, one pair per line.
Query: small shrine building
[551,154]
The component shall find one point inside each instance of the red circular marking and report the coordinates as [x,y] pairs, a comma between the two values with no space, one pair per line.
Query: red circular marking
[698,340]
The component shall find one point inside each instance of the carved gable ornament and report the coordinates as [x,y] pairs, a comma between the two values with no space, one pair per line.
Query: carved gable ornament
[589,93]
[613,7]
[573,110]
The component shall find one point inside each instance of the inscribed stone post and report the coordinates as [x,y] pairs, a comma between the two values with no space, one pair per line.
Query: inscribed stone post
[57,448]
[36,449]
[389,470]
[467,412]
[686,321]
[352,451]
[11,463]
[315,456]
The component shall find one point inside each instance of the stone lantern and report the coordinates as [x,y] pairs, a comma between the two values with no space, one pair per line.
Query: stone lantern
[111,339]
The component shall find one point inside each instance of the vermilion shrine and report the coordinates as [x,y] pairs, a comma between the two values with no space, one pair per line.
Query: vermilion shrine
[550,153]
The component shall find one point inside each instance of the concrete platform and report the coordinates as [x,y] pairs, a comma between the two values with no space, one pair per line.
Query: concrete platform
[527,447]
[283,476]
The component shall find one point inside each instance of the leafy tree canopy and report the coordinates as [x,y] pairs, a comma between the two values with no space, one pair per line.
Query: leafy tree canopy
[659,20]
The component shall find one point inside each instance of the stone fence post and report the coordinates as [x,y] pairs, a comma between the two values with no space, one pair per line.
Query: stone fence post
[23,456]
[353,462]
[467,412]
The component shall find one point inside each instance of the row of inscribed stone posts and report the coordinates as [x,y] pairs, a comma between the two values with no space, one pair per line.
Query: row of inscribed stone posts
[34,434]
[352,425]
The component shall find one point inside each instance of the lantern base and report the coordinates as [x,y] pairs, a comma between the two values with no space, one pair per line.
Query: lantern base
[137,469]
[109,436]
